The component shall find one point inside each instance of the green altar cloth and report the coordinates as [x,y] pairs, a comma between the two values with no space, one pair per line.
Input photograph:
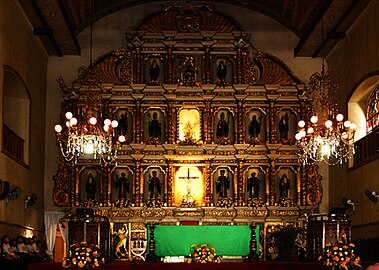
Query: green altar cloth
[230,240]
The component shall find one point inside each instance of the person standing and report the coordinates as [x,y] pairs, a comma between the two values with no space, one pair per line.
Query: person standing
[254,128]
[90,187]
[122,184]
[155,186]
[154,71]
[253,186]
[283,127]
[222,185]
[221,71]
[284,186]
[155,127]
[222,127]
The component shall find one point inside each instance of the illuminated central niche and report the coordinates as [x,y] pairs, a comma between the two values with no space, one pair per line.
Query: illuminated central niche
[188,181]
[189,124]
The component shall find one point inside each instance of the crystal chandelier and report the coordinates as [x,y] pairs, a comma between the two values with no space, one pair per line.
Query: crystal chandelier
[87,138]
[329,139]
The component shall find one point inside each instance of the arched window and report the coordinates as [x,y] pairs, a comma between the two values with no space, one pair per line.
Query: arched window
[16,117]
[373,110]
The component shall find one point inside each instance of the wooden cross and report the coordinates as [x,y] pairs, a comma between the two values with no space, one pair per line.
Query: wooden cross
[188,179]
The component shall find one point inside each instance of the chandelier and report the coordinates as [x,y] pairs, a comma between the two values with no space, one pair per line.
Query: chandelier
[326,136]
[78,139]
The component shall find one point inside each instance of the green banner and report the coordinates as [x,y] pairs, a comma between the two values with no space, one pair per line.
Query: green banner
[233,240]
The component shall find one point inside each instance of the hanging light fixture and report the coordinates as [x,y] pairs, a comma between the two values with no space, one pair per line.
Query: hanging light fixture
[79,138]
[326,136]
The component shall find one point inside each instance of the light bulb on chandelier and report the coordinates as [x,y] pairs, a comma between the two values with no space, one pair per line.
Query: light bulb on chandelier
[330,141]
[87,138]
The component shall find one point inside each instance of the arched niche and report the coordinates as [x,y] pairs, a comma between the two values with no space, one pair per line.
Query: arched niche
[16,116]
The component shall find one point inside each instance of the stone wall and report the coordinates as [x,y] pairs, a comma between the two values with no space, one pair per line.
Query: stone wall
[22,51]
[352,61]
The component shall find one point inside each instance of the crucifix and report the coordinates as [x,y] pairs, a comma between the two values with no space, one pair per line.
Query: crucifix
[188,198]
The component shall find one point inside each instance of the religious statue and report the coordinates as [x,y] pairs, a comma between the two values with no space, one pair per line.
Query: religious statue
[121,250]
[222,185]
[154,71]
[122,127]
[155,127]
[283,127]
[253,186]
[154,186]
[221,71]
[284,186]
[254,128]
[222,127]
[122,184]
[90,187]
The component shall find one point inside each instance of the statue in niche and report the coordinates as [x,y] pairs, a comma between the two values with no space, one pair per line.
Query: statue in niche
[284,127]
[122,127]
[90,187]
[155,127]
[154,71]
[222,127]
[222,185]
[254,128]
[253,186]
[221,73]
[155,186]
[284,186]
[123,186]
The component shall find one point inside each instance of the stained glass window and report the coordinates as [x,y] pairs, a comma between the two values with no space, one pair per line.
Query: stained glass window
[373,110]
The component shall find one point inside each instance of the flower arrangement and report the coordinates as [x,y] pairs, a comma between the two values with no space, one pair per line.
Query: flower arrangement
[340,256]
[153,141]
[286,202]
[83,255]
[154,203]
[89,203]
[121,203]
[255,202]
[204,253]
[224,140]
[224,202]
[254,141]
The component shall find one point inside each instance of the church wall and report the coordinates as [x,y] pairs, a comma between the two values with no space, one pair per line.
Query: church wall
[351,60]
[23,53]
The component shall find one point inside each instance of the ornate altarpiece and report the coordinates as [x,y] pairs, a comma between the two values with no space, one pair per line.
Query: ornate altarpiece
[192,67]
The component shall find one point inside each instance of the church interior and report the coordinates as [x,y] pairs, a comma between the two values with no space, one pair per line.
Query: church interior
[147,127]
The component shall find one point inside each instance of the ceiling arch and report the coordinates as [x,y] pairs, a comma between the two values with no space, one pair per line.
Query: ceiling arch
[57,23]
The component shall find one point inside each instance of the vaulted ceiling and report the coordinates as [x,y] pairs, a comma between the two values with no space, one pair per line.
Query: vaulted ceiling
[58,22]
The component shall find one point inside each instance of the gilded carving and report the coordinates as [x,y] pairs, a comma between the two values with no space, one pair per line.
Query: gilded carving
[252,213]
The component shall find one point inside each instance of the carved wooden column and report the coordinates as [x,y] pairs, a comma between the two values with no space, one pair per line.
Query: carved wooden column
[170,181]
[239,64]
[138,184]
[207,66]
[272,128]
[272,184]
[74,184]
[171,122]
[137,132]
[253,256]
[207,122]
[240,198]
[208,183]
[105,198]
[170,65]
[240,134]
[138,76]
